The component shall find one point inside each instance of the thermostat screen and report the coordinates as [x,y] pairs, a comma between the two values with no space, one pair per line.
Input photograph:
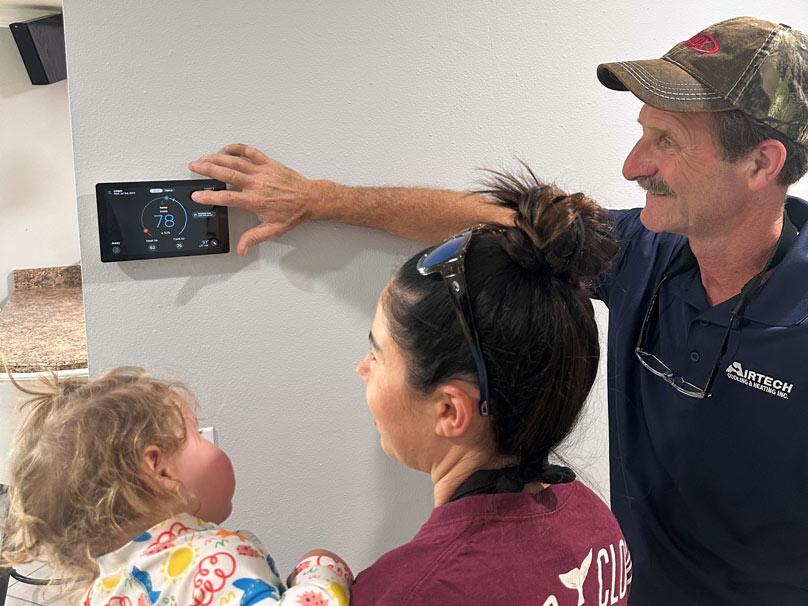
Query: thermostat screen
[154,219]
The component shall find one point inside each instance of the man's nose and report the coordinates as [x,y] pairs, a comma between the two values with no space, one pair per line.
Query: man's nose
[639,163]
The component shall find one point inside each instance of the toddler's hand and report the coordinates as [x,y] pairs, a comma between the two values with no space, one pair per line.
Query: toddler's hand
[305,561]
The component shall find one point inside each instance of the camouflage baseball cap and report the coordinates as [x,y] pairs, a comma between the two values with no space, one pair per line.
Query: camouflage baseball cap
[758,67]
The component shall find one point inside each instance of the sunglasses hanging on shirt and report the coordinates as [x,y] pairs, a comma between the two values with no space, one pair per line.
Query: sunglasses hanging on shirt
[682,262]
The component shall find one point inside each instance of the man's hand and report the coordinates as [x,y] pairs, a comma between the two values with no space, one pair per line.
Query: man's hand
[281,197]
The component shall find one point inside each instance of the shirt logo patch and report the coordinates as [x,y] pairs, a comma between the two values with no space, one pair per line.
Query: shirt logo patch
[756,380]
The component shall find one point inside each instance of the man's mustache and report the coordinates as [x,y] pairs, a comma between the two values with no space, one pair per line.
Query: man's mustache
[655,185]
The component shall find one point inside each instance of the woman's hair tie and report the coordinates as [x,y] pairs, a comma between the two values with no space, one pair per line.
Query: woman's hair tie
[556,474]
[544,472]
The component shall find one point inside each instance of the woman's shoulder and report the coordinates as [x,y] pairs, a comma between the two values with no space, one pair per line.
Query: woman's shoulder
[579,494]
[555,500]
[587,508]
[397,575]
[547,534]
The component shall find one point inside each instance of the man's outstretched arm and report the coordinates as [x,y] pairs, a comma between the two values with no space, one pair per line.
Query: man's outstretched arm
[283,198]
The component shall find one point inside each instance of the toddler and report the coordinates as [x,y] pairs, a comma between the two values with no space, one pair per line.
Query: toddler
[113,486]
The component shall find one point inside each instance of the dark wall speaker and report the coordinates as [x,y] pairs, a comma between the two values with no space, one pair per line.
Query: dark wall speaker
[42,47]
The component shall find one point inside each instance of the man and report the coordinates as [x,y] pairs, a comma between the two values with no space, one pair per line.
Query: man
[708,300]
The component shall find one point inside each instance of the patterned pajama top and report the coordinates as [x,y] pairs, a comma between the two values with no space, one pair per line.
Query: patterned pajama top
[184,561]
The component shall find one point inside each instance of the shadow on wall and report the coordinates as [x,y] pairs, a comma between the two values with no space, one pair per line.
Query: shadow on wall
[303,256]
[400,501]
[13,77]
[213,271]
[311,262]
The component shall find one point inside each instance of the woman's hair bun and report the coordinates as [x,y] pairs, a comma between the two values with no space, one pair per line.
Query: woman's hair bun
[568,235]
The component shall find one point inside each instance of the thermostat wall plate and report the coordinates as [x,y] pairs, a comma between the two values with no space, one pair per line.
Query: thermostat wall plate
[158,219]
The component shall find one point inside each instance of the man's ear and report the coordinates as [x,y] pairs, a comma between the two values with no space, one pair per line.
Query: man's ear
[155,464]
[457,405]
[765,163]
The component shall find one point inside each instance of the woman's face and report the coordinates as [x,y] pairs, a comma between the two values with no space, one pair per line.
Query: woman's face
[400,413]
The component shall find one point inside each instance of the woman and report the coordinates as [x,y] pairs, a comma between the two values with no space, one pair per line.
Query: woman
[482,353]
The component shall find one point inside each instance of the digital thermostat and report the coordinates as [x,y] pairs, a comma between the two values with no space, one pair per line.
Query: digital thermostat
[155,219]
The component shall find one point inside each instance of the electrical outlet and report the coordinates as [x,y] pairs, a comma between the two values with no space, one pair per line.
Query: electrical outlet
[209,433]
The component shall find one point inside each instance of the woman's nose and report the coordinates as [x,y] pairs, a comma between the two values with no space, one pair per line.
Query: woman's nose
[362,368]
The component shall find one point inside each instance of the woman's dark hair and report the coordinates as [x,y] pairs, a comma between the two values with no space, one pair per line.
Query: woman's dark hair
[528,285]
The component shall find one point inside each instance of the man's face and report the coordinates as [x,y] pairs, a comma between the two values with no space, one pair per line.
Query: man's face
[691,191]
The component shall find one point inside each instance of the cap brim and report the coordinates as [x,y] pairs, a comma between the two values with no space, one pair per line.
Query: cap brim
[661,84]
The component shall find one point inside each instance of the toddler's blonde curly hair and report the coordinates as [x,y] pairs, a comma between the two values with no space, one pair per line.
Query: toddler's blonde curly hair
[78,481]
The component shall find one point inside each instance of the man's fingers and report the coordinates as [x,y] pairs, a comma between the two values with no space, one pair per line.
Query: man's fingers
[220,173]
[235,162]
[256,235]
[236,149]
[239,149]
[221,197]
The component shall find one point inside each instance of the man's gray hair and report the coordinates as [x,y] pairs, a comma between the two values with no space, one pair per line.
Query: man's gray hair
[737,134]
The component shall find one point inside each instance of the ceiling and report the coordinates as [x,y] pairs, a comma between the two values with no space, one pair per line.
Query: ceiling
[12,11]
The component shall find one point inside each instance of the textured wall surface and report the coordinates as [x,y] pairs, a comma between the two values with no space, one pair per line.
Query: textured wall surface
[38,227]
[366,93]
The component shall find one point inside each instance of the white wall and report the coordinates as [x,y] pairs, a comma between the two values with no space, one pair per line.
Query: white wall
[39,226]
[365,93]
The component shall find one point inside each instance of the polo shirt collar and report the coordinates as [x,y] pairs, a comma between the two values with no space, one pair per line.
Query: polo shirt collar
[772,304]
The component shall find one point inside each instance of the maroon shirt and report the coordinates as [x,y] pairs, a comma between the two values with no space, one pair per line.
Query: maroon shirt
[559,547]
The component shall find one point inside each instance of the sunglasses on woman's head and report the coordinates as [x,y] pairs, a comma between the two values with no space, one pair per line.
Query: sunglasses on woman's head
[447,259]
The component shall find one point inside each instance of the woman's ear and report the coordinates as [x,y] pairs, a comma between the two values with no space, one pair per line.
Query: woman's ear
[458,401]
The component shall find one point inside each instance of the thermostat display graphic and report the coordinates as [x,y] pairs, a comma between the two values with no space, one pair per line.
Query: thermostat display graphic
[164,215]
[157,219]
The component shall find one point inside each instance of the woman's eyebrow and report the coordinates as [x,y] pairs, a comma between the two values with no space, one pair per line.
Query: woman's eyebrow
[373,343]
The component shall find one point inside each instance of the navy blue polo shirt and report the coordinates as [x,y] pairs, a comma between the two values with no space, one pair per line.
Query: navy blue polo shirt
[712,495]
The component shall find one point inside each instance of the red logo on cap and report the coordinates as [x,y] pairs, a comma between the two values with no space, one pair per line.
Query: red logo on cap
[702,43]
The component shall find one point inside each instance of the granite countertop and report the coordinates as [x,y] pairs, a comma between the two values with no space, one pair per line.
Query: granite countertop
[42,324]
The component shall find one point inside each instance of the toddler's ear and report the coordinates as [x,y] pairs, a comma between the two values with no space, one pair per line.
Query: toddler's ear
[154,463]
[152,456]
